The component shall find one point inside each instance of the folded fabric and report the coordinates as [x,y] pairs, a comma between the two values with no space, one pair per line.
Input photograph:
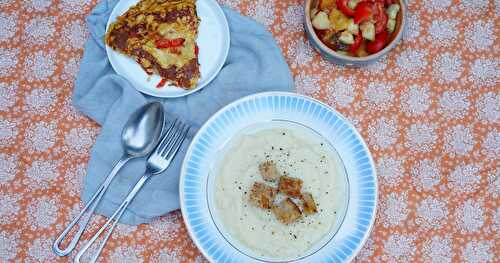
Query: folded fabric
[254,64]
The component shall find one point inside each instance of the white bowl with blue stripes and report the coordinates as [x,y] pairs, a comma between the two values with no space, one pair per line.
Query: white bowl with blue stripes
[198,213]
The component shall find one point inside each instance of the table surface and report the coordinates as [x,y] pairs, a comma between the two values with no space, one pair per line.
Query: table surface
[430,113]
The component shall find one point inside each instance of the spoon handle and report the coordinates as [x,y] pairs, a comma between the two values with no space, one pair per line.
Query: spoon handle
[88,210]
[115,217]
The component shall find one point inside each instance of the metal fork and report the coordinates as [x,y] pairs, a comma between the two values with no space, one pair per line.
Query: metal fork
[157,162]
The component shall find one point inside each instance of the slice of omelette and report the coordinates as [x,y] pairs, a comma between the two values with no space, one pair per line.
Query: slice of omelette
[161,36]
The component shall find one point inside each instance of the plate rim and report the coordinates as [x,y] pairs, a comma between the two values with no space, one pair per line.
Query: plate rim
[266,94]
[188,92]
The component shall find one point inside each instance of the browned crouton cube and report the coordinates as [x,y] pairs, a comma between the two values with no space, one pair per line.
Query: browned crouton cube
[286,211]
[308,203]
[262,195]
[290,186]
[268,171]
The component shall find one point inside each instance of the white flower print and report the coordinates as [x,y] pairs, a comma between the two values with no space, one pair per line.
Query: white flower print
[9,208]
[458,140]
[167,256]
[474,7]
[491,145]
[469,216]
[421,137]
[73,6]
[485,72]
[479,35]
[39,65]
[383,133]
[390,170]
[307,84]
[377,67]
[454,104]
[123,230]
[437,5]
[262,11]
[39,101]
[477,252]
[74,179]
[8,247]
[366,251]
[8,60]
[411,62]
[230,3]
[488,107]
[8,132]
[41,174]
[495,227]
[169,223]
[75,34]
[443,32]
[464,178]
[43,213]
[437,249]
[426,174]
[301,53]
[70,69]
[8,167]
[431,213]
[447,67]
[41,251]
[39,30]
[394,209]
[341,91]
[412,31]
[40,136]
[8,96]
[415,99]
[293,18]
[37,5]
[399,248]
[79,140]
[8,25]
[494,183]
[127,254]
[379,95]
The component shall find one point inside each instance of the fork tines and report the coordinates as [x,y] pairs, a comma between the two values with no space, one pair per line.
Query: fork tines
[173,138]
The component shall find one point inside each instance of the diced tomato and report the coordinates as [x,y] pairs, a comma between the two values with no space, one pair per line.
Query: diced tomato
[167,43]
[161,83]
[196,50]
[358,39]
[342,6]
[379,42]
[389,2]
[380,17]
[363,12]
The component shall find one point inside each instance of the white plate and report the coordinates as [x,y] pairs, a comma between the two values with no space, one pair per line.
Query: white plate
[213,41]
[344,240]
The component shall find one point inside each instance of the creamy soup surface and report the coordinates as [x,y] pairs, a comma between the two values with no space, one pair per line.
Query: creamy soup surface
[297,152]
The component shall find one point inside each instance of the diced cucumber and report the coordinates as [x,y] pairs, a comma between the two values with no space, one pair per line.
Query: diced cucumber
[321,21]
[368,30]
[352,28]
[346,38]
[391,25]
[392,11]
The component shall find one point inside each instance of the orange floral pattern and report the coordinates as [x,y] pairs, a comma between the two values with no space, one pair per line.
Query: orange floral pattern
[430,112]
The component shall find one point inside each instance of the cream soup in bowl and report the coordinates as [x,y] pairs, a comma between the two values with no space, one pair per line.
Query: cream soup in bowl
[296,152]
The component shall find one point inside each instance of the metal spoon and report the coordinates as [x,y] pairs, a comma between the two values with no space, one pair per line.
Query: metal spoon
[139,137]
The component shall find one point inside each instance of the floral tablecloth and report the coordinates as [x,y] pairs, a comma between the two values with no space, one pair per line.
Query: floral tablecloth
[430,113]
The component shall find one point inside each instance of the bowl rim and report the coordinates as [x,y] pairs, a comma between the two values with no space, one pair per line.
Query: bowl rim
[312,34]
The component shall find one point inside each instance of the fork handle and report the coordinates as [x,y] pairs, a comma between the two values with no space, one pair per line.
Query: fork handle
[88,210]
[113,220]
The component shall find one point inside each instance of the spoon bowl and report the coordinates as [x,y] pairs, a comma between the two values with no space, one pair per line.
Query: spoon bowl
[143,129]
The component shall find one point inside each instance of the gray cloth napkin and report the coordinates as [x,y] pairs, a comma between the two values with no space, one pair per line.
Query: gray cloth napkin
[254,64]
